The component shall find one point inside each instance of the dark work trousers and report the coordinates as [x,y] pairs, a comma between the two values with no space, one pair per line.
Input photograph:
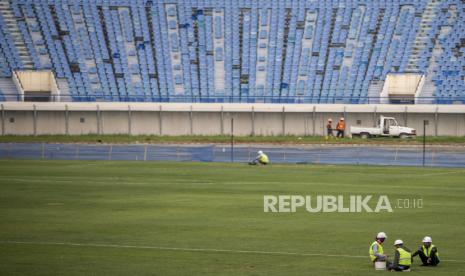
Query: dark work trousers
[424,259]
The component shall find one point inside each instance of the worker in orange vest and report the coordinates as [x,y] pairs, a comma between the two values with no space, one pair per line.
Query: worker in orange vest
[340,127]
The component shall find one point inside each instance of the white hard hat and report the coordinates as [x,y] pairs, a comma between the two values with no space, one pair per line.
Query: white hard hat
[397,242]
[427,239]
[381,235]
[260,152]
[330,120]
[342,118]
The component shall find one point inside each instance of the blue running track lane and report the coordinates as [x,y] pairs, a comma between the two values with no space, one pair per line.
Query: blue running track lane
[311,154]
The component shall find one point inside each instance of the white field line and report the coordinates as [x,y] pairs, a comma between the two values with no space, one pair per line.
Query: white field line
[99,180]
[122,179]
[194,249]
[90,180]
[51,180]
[433,174]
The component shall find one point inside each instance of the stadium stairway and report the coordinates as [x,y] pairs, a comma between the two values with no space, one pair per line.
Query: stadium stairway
[63,85]
[420,41]
[8,89]
[374,91]
[12,27]
[427,93]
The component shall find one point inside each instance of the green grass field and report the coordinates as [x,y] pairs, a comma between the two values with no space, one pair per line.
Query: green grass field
[149,218]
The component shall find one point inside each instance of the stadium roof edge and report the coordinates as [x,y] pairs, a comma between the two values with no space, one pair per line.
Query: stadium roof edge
[230,107]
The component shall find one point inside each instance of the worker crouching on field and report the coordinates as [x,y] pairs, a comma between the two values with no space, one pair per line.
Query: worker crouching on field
[376,248]
[260,159]
[329,129]
[402,257]
[428,253]
[340,127]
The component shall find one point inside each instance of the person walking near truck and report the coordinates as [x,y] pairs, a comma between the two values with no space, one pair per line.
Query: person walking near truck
[340,127]
[329,129]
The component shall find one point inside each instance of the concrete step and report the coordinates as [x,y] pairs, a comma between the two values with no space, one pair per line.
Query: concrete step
[15,33]
[8,89]
[64,89]
[420,40]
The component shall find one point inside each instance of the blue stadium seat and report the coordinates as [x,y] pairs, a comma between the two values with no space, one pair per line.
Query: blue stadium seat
[322,50]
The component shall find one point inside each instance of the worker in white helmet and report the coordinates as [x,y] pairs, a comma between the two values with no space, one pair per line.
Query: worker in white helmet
[376,248]
[402,257]
[428,252]
[261,158]
[329,129]
[340,127]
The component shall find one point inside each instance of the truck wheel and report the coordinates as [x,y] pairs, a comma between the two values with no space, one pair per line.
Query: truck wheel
[364,135]
[403,136]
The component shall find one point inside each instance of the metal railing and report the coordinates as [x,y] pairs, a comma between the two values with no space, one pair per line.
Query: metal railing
[240,99]
[310,154]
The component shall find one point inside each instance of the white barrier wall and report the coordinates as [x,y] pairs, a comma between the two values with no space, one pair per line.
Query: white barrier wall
[405,85]
[215,119]
[402,84]
[35,80]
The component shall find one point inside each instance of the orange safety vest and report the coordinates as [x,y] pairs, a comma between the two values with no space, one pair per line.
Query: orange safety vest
[340,125]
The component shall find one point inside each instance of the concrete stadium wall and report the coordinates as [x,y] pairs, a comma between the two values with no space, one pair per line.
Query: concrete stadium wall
[402,84]
[215,119]
[35,80]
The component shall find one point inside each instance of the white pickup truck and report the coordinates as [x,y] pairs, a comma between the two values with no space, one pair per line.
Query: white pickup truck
[387,126]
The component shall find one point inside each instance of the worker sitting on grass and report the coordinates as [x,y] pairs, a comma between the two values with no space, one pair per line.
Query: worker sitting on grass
[376,249]
[428,253]
[402,257]
[260,159]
